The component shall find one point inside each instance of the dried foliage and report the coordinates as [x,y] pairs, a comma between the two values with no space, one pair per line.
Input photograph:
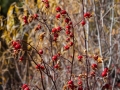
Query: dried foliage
[76,48]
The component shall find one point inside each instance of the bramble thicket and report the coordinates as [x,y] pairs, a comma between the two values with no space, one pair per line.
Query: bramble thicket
[60,45]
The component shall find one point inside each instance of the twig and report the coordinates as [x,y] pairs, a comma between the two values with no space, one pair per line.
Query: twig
[40,72]
[86,52]
[44,65]
[98,31]
[114,79]
[18,71]
[111,27]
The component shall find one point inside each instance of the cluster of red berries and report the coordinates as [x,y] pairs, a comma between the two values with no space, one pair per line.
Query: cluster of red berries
[68,27]
[39,66]
[55,58]
[60,12]
[86,15]
[94,67]
[27,19]
[71,84]
[55,32]
[16,45]
[25,87]
[46,2]
[104,73]
[80,85]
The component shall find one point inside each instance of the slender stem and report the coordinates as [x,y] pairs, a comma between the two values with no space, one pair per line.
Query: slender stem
[42,79]
[87,24]
[86,53]
[111,27]
[113,84]
[18,72]
[98,31]
[40,73]
[73,54]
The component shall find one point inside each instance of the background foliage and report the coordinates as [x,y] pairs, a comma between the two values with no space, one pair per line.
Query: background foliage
[102,31]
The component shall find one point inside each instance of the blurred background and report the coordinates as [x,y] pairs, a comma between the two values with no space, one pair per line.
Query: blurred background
[4,6]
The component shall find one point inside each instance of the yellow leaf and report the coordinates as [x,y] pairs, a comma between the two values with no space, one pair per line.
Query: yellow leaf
[100,60]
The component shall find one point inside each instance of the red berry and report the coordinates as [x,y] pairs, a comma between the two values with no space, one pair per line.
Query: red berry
[106,69]
[70,23]
[87,15]
[59,28]
[63,12]
[92,73]
[24,86]
[36,28]
[106,86]
[66,47]
[27,88]
[68,26]
[80,57]
[80,83]
[95,57]
[18,46]
[54,38]
[54,30]
[42,67]
[45,1]
[56,66]
[83,22]
[71,43]
[70,82]
[25,21]
[39,26]
[14,43]
[56,35]
[35,16]
[80,88]
[47,5]
[58,16]
[58,9]
[67,31]
[67,20]
[54,58]
[40,51]
[24,17]
[37,66]
[104,73]
[94,66]
[21,58]
[71,35]
[68,39]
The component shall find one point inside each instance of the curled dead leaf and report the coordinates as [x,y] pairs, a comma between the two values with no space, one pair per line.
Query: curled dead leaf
[41,36]
[100,60]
